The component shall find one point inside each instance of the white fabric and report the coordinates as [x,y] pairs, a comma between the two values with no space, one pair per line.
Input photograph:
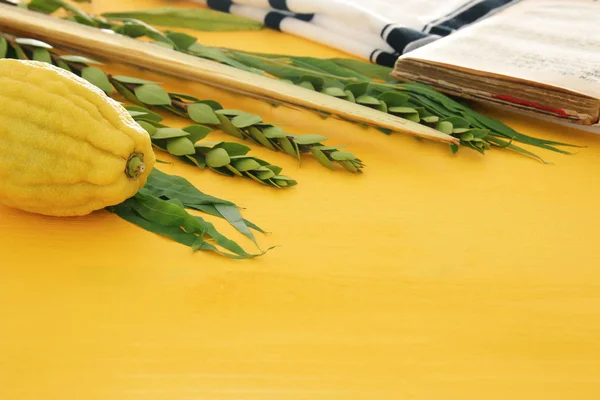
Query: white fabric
[377,30]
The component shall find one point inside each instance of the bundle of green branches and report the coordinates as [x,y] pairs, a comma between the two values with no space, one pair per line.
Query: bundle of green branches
[355,81]
[226,158]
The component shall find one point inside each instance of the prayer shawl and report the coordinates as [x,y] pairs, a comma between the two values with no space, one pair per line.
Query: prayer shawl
[375,30]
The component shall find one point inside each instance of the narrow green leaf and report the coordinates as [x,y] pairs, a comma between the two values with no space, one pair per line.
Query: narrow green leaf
[171,220]
[257,135]
[227,127]
[44,6]
[321,157]
[287,147]
[129,79]
[348,165]
[126,93]
[194,18]
[372,71]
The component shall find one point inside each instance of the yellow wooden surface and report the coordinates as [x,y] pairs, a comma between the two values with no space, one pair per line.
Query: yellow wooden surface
[431,276]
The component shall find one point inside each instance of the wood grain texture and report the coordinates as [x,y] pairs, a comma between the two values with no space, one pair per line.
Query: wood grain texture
[158,59]
[431,276]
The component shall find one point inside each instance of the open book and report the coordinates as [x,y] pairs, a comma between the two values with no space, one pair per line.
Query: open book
[539,56]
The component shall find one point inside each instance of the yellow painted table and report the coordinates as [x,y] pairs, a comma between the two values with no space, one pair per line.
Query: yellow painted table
[431,276]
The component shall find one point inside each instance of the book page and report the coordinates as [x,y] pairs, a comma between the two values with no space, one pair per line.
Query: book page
[553,42]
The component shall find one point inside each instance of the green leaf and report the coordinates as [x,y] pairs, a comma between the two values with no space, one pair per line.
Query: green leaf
[367,100]
[202,114]
[230,112]
[260,138]
[372,71]
[321,157]
[309,139]
[42,55]
[245,164]
[263,173]
[458,122]
[129,79]
[402,110]
[273,132]
[467,137]
[97,77]
[394,99]
[454,148]
[79,59]
[148,115]
[358,89]
[180,146]
[153,95]
[227,127]
[181,40]
[307,85]
[245,120]
[193,18]
[148,127]
[348,165]
[33,43]
[342,156]
[173,221]
[217,158]
[169,133]
[3,47]
[44,6]
[132,29]
[334,91]
[431,119]
[445,127]
[233,149]
[288,148]
[197,132]
[218,55]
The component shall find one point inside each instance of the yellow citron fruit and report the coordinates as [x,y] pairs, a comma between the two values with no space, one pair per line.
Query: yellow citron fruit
[66,148]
